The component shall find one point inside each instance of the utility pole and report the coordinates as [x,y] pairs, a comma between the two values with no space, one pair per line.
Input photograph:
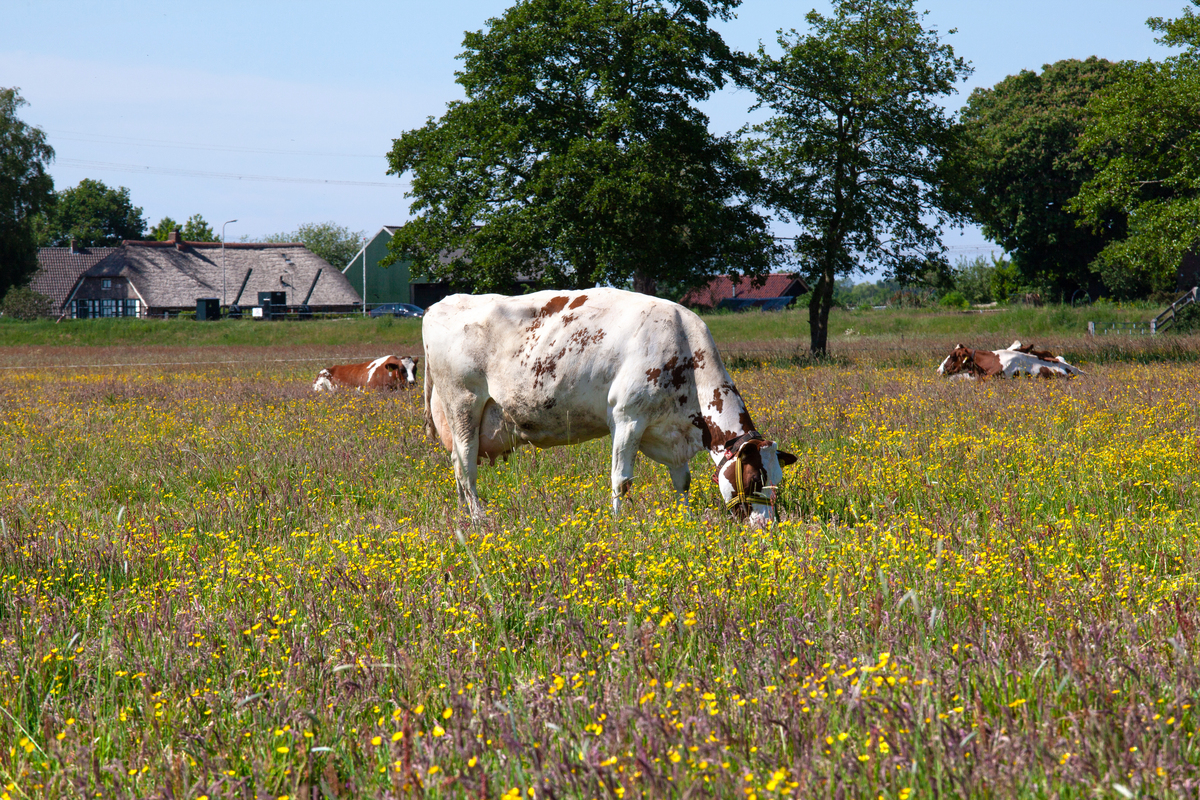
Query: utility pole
[364,254]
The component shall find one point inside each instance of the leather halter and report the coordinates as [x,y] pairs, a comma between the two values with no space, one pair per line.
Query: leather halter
[733,451]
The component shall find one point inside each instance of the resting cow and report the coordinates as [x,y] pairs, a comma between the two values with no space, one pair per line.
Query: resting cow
[1017,359]
[387,372]
[555,368]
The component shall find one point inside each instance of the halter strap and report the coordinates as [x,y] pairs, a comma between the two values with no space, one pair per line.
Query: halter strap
[733,451]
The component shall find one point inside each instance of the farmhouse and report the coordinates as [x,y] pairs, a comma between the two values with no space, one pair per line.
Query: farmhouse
[59,269]
[150,278]
[391,284]
[739,293]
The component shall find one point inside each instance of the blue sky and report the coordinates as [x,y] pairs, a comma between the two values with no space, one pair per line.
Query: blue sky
[280,113]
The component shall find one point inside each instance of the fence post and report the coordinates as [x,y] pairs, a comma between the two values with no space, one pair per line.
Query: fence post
[1153,327]
[1091,328]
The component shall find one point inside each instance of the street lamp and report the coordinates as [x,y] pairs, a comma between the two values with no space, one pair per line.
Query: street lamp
[223,224]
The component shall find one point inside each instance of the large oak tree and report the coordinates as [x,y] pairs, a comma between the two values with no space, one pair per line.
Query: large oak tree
[26,189]
[1144,140]
[857,149]
[579,155]
[1022,167]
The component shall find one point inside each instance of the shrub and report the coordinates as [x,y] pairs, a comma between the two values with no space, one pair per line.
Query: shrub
[953,299]
[1187,319]
[21,302]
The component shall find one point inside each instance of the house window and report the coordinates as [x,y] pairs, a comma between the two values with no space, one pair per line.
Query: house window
[131,308]
[108,307]
[106,283]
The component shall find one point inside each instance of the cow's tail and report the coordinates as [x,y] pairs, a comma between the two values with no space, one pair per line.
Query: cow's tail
[430,428]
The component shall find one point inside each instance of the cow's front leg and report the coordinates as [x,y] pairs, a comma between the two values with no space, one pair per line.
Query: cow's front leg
[681,479]
[626,436]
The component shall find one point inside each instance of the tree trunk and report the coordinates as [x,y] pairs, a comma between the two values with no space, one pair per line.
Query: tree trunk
[645,283]
[818,312]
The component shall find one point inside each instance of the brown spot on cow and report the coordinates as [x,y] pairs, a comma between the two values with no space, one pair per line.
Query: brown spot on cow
[1037,352]
[988,361]
[553,306]
[652,375]
[683,399]
[548,366]
[1045,372]
[718,402]
[626,485]
[711,434]
[745,421]
[578,301]
[583,338]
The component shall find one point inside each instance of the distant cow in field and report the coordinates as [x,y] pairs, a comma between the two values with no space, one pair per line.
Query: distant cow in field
[966,363]
[387,372]
[555,368]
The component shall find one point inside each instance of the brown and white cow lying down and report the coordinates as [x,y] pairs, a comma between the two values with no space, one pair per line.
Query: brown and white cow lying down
[555,368]
[1017,359]
[387,372]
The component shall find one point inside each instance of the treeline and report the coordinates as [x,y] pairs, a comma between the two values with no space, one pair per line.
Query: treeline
[579,156]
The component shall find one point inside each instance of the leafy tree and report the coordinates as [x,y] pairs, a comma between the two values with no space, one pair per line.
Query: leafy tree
[1144,140]
[26,189]
[93,215]
[162,231]
[858,148]
[1022,168]
[21,302]
[197,230]
[986,278]
[579,155]
[334,243]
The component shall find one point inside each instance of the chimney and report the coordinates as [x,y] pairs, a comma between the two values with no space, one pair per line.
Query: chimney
[174,238]
[74,249]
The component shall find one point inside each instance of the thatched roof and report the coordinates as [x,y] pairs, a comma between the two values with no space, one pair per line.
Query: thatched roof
[60,267]
[175,274]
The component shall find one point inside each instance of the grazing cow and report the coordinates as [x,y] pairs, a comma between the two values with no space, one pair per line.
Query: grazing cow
[387,372]
[1016,359]
[555,368]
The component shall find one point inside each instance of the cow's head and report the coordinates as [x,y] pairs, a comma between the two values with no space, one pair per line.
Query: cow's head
[748,475]
[401,371]
[969,363]
[958,361]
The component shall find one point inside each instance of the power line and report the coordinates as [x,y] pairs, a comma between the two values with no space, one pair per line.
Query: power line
[104,138]
[229,176]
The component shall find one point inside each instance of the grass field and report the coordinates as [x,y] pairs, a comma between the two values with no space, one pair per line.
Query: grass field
[215,583]
[790,327]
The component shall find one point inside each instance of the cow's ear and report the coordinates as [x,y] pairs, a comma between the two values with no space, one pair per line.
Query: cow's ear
[416,360]
[786,459]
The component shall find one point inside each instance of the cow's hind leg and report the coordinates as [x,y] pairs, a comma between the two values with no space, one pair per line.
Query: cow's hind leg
[465,415]
[626,436]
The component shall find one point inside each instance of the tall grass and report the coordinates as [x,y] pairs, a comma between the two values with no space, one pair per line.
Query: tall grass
[216,583]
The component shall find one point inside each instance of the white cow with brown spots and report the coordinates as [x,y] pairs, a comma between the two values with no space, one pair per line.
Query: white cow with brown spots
[555,368]
[966,363]
[387,372]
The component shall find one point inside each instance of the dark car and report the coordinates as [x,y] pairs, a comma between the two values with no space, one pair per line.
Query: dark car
[398,310]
